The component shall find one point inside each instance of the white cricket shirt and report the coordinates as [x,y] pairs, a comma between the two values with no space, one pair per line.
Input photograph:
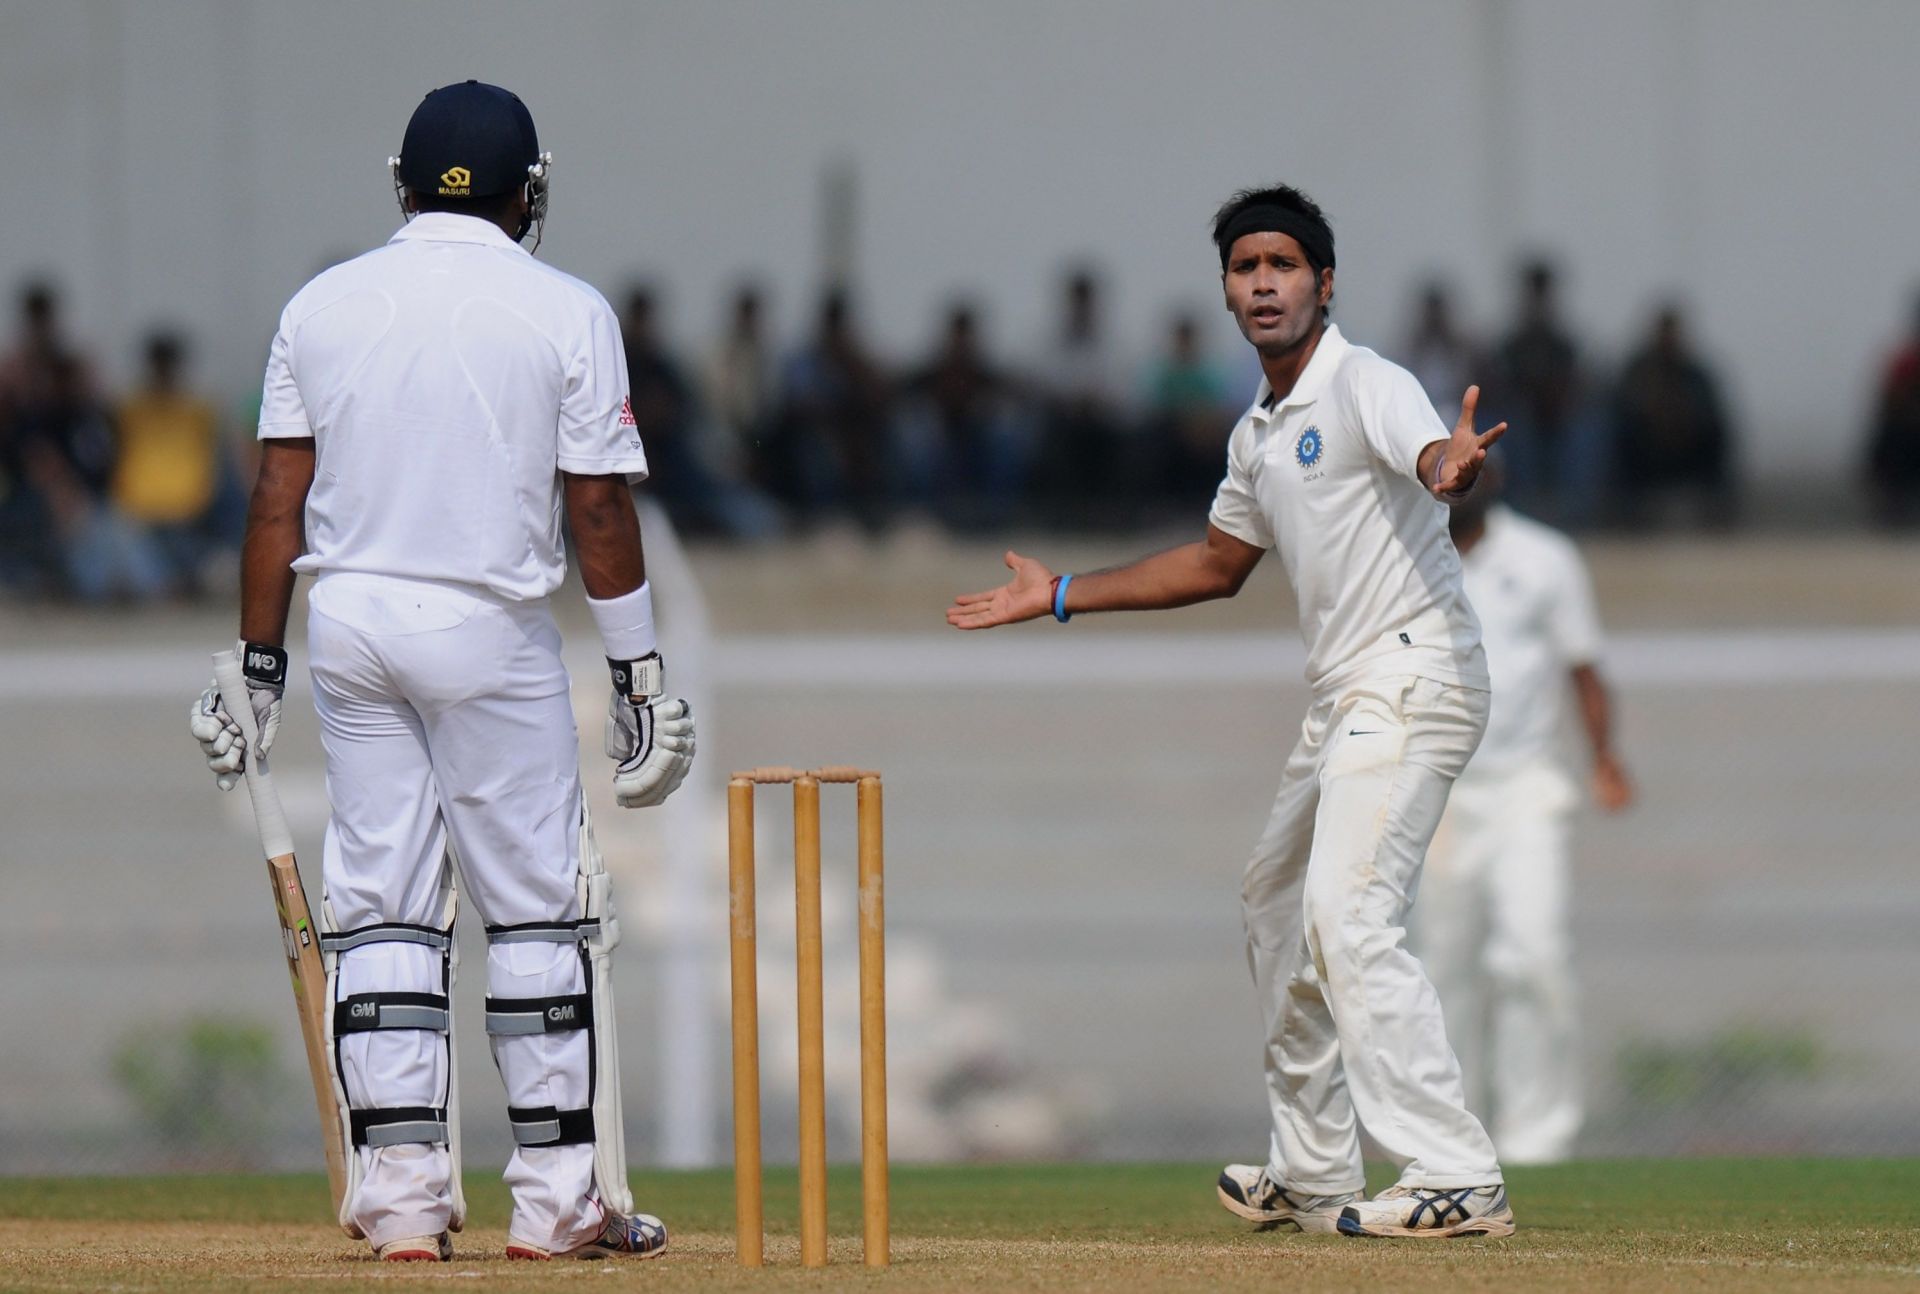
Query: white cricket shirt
[446,379]
[1535,601]
[1329,475]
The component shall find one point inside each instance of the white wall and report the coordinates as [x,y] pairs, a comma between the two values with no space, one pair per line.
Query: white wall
[197,159]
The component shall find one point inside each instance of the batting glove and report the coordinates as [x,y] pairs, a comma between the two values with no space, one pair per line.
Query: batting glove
[218,732]
[649,739]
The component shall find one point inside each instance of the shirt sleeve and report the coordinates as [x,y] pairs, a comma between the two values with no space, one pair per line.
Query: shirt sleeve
[1396,418]
[1236,507]
[1573,623]
[283,414]
[597,432]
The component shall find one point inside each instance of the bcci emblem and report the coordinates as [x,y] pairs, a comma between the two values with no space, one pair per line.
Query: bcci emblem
[1307,448]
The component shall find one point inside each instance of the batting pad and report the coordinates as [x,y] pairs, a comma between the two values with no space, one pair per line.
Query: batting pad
[375,1126]
[595,934]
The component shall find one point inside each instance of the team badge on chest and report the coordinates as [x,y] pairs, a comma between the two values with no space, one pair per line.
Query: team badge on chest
[1307,449]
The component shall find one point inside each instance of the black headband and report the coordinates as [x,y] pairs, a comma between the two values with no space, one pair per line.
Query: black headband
[1315,239]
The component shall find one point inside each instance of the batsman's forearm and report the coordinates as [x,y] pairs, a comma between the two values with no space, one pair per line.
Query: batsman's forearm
[276,534]
[266,583]
[606,534]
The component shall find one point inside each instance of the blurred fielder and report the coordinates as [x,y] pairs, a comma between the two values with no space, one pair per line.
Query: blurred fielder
[1341,464]
[432,409]
[1491,923]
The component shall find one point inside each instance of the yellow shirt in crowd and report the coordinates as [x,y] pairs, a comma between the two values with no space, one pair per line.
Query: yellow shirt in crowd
[169,447]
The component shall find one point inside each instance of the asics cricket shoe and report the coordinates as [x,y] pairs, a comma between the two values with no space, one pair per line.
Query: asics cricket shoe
[624,1235]
[1431,1211]
[417,1249]
[1249,1193]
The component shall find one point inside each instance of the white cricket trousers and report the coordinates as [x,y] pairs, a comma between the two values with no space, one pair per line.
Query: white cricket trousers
[445,717]
[1491,928]
[1353,1026]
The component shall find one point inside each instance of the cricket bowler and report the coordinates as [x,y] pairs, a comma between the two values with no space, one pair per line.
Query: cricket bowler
[432,411]
[1340,463]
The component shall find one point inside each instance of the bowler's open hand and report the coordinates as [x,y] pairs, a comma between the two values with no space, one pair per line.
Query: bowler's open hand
[1465,452]
[1027,596]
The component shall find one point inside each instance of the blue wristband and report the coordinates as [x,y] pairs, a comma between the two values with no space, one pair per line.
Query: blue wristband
[1060,599]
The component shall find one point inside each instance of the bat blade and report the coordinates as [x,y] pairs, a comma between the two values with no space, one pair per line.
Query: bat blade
[300,940]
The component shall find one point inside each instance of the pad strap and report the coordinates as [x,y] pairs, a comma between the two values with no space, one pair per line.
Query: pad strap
[510,1016]
[385,932]
[545,932]
[399,1125]
[367,1011]
[543,1125]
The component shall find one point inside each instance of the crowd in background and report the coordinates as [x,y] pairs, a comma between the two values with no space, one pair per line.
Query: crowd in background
[142,495]
[748,440]
[130,498]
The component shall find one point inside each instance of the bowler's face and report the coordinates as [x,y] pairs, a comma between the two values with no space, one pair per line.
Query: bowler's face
[1272,292]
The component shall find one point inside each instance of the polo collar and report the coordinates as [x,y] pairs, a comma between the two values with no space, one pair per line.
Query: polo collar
[1326,358]
[446,227]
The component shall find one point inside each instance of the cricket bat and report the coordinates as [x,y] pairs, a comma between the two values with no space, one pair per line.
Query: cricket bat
[299,937]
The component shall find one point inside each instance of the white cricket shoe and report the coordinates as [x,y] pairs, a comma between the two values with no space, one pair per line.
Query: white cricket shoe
[1248,1192]
[1430,1211]
[625,1235]
[417,1249]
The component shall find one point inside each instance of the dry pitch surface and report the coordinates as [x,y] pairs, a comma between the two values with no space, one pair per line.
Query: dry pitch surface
[1637,1225]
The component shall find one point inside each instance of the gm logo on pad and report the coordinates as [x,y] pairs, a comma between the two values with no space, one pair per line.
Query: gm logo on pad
[456,182]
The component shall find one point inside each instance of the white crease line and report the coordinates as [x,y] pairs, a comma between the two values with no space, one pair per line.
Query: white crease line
[1047,656]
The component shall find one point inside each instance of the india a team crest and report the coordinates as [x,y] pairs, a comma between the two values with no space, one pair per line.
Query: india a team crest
[1307,448]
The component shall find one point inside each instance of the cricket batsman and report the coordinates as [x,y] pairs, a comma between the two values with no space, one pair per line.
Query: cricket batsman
[1341,464]
[433,409]
[1491,925]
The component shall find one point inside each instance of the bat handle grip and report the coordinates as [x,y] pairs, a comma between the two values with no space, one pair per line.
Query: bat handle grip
[275,838]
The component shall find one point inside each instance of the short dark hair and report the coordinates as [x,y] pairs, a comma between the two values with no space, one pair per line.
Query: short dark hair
[166,348]
[1287,198]
[1284,196]
[39,299]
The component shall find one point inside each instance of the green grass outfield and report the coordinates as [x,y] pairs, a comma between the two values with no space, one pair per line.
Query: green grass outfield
[1643,1224]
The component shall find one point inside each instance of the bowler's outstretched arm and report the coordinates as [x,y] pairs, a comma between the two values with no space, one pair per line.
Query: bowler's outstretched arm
[1214,567]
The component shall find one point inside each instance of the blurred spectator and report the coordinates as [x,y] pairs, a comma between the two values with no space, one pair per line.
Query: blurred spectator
[56,457]
[964,442]
[682,473]
[1188,419]
[1440,355]
[740,389]
[27,371]
[1556,453]
[67,451]
[1089,469]
[171,468]
[27,554]
[1672,435]
[833,450]
[1893,456]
